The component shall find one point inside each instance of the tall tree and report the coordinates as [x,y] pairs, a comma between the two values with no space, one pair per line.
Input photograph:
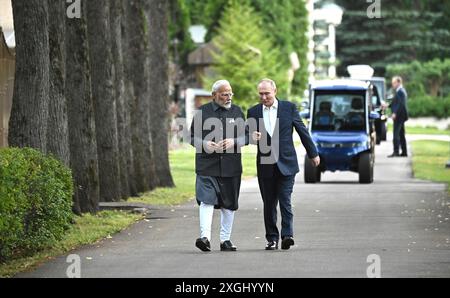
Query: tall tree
[123,112]
[157,12]
[181,43]
[82,140]
[29,115]
[57,133]
[137,71]
[284,21]
[299,28]
[246,54]
[407,31]
[100,57]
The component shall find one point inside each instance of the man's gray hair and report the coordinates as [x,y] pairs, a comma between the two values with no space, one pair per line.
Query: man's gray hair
[216,86]
[271,82]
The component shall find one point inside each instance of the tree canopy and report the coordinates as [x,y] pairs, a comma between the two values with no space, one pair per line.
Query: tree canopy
[246,54]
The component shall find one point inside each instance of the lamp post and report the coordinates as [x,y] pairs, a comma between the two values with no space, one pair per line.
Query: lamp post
[198,33]
[332,15]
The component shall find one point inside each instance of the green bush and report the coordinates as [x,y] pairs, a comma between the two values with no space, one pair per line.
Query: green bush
[35,201]
[429,106]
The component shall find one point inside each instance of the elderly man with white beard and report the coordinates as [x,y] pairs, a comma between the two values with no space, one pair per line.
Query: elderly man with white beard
[218,132]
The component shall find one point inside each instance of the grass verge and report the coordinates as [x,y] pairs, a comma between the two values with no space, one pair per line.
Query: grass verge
[429,130]
[182,164]
[429,160]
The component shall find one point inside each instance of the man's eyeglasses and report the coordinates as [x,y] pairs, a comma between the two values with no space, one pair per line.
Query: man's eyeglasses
[230,95]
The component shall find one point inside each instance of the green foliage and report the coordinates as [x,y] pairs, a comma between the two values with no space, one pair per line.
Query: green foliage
[299,29]
[428,106]
[35,200]
[246,54]
[407,31]
[207,13]
[284,21]
[180,40]
[427,84]
[431,77]
[287,22]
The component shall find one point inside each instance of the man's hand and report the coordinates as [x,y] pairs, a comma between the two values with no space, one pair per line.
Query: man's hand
[256,136]
[226,144]
[211,146]
[394,116]
[315,161]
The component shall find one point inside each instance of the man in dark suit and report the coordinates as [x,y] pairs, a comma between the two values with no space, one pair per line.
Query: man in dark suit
[218,132]
[400,116]
[273,124]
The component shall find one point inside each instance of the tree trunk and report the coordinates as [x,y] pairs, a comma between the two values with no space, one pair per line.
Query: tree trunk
[103,96]
[137,70]
[128,105]
[123,118]
[29,114]
[82,140]
[57,132]
[157,12]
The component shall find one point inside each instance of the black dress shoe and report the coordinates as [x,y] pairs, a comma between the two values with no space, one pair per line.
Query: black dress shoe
[272,245]
[227,246]
[203,244]
[404,155]
[287,242]
[393,155]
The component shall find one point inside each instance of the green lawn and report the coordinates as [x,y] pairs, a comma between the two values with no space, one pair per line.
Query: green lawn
[429,130]
[87,230]
[429,160]
[182,163]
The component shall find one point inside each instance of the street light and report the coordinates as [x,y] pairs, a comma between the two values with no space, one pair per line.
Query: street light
[332,15]
[198,33]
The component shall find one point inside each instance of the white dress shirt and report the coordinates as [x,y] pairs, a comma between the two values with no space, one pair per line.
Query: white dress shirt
[270,117]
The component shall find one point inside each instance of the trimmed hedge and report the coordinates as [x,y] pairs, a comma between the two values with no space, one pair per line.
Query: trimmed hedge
[429,106]
[35,201]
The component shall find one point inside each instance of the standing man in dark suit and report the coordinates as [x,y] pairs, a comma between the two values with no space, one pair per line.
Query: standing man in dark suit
[400,116]
[218,132]
[273,124]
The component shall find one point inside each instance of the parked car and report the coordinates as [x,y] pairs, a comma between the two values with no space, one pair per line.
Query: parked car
[342,125]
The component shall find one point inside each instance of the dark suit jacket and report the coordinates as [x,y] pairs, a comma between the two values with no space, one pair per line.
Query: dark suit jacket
[399,107]
[218,164]
[281,143]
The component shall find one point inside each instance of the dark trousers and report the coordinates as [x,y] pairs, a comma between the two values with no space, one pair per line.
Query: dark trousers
[273,190]
[399,137]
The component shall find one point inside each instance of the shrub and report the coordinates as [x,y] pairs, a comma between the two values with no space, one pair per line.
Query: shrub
[429,106]
[35,201]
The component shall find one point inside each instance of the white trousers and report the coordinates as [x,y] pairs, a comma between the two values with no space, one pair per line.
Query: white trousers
[206,218]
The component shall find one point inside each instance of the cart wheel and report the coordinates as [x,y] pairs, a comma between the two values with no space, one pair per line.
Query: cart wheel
[383,131]
[365,168]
